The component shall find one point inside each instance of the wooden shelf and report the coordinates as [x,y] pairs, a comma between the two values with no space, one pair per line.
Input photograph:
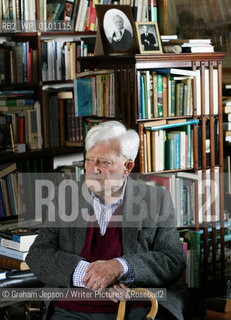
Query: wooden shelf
[13,156]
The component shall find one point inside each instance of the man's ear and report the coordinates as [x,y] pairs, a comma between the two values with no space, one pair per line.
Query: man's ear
[129,164]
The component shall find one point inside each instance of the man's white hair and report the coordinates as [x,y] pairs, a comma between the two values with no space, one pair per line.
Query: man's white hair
[106,131]
[117,17]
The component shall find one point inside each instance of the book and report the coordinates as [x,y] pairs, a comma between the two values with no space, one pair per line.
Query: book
[21,235]
[13,253]
[7,168]
[173,125]
[198,49]
[10,263]
[83,96]
[19,246]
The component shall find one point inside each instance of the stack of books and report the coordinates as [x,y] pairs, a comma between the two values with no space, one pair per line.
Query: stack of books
[192,45]
[14,247]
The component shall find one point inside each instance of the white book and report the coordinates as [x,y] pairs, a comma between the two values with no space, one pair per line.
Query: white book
[198,91]
[197,49]
[13,253]
[207,109]
[200,189]
[145,154]
[184,72]
[199,40]
[161,142]
[208,204]
[148,149]
[32,10]
[215,91]
[23,247]
[138,19]
[5,10]
[217,194]
[83,14]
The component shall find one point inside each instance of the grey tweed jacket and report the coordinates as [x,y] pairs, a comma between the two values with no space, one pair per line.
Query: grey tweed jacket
[150,244]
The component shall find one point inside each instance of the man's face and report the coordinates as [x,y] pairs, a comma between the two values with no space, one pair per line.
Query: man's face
[119,23]
[105,168]
[145,29]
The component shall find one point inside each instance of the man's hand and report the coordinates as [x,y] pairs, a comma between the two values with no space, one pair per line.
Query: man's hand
[119,292]
[102,274]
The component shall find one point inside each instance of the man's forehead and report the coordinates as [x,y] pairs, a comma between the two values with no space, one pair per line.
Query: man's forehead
[106,147]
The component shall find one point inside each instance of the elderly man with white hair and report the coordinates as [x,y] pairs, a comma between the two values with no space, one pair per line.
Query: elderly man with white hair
[131,242]
[121,37]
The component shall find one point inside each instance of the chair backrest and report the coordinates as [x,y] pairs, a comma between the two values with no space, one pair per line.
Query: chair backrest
[147,293]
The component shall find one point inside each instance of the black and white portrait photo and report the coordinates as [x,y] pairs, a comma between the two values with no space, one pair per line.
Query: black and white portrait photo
[118,29]
[149,39]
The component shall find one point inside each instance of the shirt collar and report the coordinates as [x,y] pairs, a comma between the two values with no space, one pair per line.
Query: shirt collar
[117,203]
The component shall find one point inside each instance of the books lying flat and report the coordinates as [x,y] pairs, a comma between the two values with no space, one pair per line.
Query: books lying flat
[173,125]
[15,245]
[13,253]
[19,234]
[11,263]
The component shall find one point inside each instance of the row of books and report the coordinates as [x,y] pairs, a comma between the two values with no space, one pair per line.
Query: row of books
[19,62]
[164,149]
[79,15]
[59,58]
[163,95]
[94,94]
[23,11]
[22,114]
[166,145]
[61,126]
[168,92]
[185,188]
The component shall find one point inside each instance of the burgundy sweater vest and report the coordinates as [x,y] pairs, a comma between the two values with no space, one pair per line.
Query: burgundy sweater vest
[98,247]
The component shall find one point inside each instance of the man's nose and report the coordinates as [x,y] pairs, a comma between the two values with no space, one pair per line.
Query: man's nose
[95,168]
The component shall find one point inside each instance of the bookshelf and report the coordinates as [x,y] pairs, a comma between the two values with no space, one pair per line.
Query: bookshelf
[22,79]
[126,69]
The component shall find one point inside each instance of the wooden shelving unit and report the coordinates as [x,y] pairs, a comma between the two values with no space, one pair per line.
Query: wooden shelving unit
[126,104]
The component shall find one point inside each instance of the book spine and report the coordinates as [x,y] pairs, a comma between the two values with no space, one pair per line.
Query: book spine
[141,152]
[160,95]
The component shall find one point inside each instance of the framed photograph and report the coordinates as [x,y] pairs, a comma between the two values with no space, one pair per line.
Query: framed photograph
[148,37]
[6,137]
[116,30]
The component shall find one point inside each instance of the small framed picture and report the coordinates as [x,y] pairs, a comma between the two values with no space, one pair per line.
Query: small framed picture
[148,37]
[116,29]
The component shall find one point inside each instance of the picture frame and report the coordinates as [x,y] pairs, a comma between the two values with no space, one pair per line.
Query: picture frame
[148,37]
[116,30]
